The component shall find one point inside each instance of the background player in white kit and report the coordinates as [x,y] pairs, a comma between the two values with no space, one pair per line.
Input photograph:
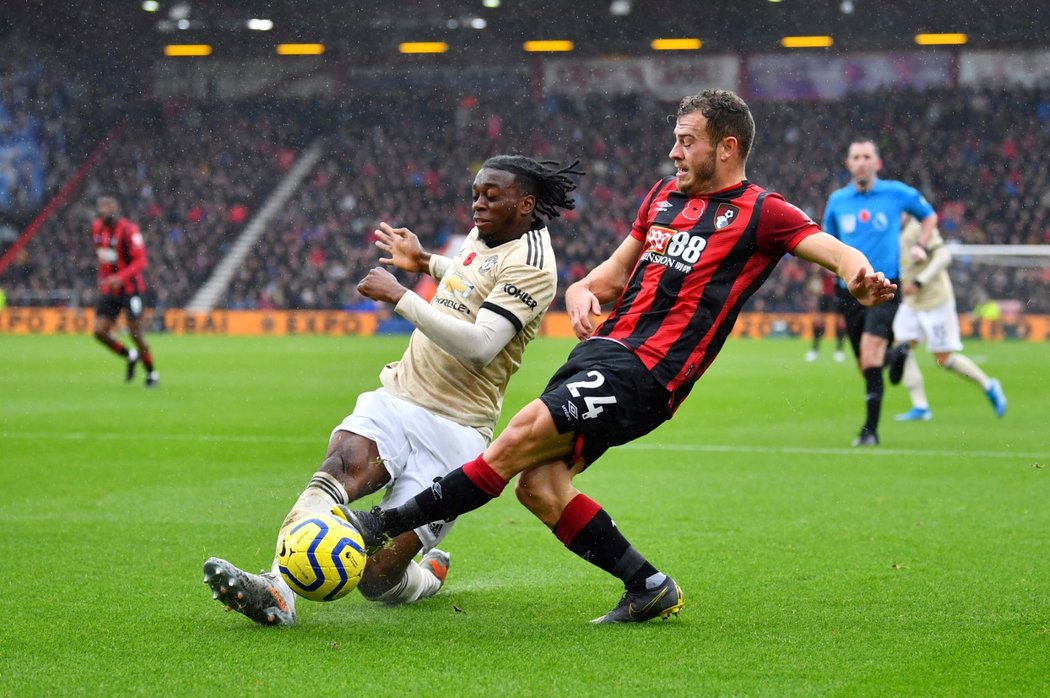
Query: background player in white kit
[928,314]
[437,407]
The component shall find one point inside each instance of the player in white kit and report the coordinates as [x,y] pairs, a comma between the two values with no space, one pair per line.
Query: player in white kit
[438,405]
[928,314]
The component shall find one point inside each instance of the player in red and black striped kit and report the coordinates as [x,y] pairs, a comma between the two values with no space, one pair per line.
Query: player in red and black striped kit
[703,242]
[121,261]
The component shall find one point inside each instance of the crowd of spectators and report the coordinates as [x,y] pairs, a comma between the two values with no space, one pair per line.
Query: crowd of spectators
[49,119]
[189,176]
[192,177]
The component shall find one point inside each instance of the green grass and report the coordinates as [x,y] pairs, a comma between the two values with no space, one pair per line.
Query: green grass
[809,568]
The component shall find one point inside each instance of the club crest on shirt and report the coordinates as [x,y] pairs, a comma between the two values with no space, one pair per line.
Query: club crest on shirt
[457,285]
[725,214]
[848,223]
[657,238]
[489,264]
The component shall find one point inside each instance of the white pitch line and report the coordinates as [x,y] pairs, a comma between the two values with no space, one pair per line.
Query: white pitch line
[110,436]
[688,448]
[812,451]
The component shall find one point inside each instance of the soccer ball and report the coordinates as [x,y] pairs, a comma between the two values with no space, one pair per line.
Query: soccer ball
[322,557]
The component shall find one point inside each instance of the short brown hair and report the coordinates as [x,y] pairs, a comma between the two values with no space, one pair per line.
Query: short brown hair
[726,114]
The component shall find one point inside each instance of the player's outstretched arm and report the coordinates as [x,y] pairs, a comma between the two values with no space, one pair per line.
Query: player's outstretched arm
[867,286]
[474,343]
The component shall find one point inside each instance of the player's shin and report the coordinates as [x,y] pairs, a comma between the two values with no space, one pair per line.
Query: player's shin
[874,388]
[914,383]
[965,367]
[414,584]
[322,493]
[464,489]
[588,531]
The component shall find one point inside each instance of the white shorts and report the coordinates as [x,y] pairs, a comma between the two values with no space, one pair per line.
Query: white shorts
[938,328]
[417,448]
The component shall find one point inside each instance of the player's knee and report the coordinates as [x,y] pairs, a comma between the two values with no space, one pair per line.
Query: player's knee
[355,462]
[943,358]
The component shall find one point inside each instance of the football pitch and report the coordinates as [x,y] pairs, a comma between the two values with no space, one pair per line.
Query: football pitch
[921,567]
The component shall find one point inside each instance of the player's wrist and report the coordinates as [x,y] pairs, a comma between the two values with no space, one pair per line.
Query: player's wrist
[423,261]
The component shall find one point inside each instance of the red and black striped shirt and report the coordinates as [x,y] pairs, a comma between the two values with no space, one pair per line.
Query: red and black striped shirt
[120,251]
[703,257]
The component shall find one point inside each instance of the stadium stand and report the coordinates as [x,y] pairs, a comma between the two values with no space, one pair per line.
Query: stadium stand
[192,174]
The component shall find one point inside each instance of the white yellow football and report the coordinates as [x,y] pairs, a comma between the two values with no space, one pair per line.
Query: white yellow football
[322,557]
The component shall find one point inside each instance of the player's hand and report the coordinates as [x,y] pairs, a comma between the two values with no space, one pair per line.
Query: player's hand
[583,307]
[909,288]
[111,281]
[870,288]
[380,285]
[402,249]
[918,254]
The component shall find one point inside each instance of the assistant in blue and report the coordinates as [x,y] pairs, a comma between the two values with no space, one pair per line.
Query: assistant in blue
[870,221]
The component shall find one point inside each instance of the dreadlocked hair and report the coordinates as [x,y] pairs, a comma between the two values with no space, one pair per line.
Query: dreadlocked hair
[545,179]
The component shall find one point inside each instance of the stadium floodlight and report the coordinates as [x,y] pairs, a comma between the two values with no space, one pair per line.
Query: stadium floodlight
[806,41]
[940,39]
[300,49]
[492,4]
[548,46]
[620,8]
[151,6]
[422,47]
[183,50]
[260,25]
[478,23]
[676,44]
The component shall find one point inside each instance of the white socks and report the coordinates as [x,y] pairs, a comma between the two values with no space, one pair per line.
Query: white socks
[913,382]
[321,494]
[965,367]
[415,584]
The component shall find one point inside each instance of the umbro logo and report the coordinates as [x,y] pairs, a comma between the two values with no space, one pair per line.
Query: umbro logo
[662,206]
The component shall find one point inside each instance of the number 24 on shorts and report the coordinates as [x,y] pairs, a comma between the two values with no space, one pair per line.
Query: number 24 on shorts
[593,403]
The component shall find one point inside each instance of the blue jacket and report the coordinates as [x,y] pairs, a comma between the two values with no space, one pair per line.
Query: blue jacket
[871,221]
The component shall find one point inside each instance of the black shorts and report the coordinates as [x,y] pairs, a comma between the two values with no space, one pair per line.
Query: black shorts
[110,306]
[860,319]
[827,304]
[606,396]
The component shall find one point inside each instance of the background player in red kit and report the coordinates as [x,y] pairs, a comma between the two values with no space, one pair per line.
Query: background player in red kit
[704,241]
[821,287]
[121,261]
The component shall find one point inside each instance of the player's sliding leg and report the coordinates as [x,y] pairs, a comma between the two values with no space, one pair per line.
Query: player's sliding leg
[531,439]
[352,468]
[265,598]
[393,577]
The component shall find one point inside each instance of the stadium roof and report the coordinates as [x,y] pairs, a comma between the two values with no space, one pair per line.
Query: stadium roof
[493,30]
